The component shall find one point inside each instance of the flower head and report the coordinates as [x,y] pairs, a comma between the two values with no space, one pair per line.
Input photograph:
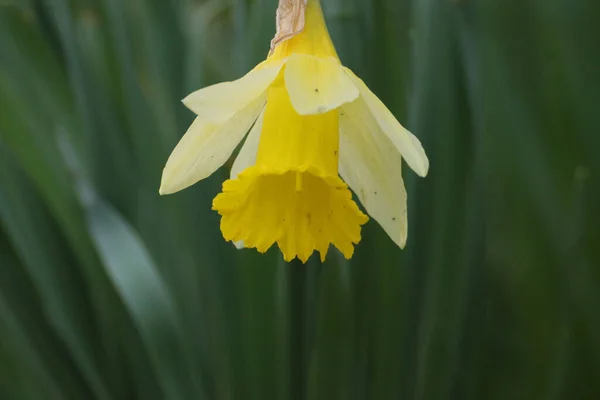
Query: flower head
[311,120]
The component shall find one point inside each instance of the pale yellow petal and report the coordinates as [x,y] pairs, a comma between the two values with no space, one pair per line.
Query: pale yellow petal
[219,102]
[247,155]
[317,85]
[407,144]
[371,166]
[206,146]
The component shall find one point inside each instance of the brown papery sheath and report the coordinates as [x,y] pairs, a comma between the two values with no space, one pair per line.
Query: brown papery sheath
[290,20]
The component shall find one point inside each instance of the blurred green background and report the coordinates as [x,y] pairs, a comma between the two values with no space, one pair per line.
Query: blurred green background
[109,291]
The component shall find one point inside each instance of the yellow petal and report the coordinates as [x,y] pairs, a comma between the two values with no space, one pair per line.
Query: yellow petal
[371,166]
[219,102]
[247,155]
[407,144]
[206,146]
[317,85]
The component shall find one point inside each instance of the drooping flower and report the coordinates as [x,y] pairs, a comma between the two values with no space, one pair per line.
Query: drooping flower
[310,121]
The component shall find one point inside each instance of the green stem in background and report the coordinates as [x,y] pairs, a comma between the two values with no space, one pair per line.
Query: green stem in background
[297,303]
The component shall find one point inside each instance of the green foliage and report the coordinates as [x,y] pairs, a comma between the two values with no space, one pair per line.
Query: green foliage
[109,291]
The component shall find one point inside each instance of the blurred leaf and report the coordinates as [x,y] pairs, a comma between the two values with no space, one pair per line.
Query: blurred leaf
[145,296]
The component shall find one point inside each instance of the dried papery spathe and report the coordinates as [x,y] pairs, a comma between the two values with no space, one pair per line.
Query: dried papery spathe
[290,20]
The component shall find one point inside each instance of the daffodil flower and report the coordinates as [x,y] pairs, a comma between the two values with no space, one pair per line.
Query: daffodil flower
[310,121]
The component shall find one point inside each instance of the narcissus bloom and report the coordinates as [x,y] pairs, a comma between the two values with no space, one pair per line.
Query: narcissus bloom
[311,120]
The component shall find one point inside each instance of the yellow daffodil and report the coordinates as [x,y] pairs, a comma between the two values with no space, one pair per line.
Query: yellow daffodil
[311,120]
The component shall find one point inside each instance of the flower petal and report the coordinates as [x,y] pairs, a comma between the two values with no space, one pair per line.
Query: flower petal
[405,142]
[219,102]
[247,155]
[317,84]
[371,165]
[206,146]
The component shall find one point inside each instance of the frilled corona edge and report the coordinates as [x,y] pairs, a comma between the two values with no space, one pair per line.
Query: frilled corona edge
[290,20]
[301,210]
